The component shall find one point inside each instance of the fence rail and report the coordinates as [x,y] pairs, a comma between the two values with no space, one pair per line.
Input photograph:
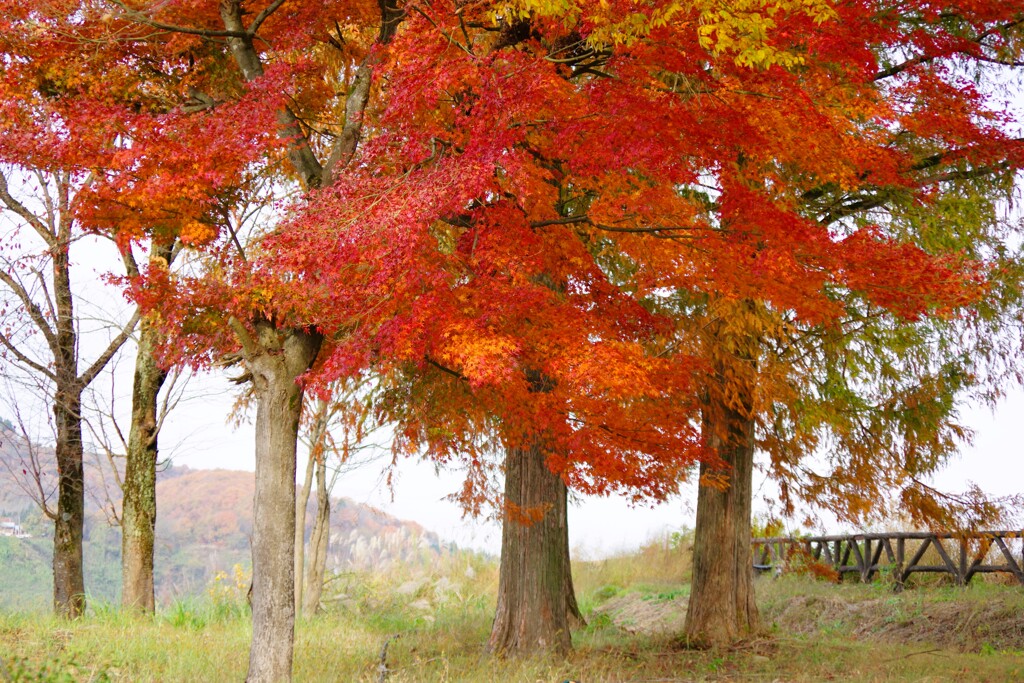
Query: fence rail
[961,555]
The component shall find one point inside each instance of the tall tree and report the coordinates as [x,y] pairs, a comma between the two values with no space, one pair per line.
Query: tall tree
[689,171]
[228,311]
[40,295]
[138,489]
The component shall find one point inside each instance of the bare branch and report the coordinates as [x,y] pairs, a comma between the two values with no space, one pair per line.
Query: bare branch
[44,231]
[31,465]
[33,310]
[116,343]
[25,360]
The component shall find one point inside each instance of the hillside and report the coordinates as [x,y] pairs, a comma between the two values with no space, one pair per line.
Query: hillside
[204,523]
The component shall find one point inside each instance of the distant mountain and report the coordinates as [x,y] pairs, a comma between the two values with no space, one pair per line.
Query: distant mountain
[204,525]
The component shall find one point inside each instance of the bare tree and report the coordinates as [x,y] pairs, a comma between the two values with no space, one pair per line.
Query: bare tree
[41,336]
[338,439]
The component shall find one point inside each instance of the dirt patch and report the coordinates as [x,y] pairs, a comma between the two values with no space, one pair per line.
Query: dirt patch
[963,625]
[645,614]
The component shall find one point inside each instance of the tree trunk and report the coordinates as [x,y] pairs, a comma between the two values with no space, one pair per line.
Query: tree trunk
[68,528]
[318,542]
[68,576]
[138,517]
[722,608]
[300,528]
[535,592]
[282,356]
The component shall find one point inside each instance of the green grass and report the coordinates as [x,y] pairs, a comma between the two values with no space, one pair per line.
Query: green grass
[813,631]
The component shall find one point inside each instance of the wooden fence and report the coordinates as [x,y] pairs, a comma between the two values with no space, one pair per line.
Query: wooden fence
[962,556]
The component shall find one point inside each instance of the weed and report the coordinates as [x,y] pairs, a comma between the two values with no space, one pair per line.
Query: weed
[187,613]
[22,670]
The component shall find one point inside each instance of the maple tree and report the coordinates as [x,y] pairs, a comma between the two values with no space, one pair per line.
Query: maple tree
[221,122]
[567,233]
[522,206]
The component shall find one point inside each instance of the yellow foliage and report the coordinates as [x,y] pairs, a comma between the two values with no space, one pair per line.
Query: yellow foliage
[740,28]
[230,589]
[743,28]
[194,233]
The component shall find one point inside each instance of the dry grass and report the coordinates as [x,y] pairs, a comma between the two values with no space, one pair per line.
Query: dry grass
[814,631]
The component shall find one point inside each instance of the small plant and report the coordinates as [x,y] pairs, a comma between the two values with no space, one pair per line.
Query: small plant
[186,614]
[229,592]
[22,670]
[607,592]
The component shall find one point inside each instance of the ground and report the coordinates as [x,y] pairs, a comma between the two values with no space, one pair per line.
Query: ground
[813,631]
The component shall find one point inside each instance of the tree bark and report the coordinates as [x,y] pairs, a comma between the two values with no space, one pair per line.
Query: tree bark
[68,572]
[318,542]
[276,360]
[536,600]
[722,608]
[138,516]
[68,575]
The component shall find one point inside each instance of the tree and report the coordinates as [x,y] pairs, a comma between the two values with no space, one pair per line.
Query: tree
[338,430]
[38,286]
[132,456]
[683,174]
[251,115]
[138,502]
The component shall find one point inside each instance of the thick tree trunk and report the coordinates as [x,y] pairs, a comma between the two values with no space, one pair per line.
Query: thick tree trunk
[536,601]
[281,358]
[722,608]
[138,517]
[318,542]
[68,575]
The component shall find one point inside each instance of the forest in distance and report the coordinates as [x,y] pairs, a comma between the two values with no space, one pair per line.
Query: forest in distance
[559,246]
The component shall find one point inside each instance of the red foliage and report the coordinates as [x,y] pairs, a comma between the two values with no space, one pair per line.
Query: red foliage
[538,205]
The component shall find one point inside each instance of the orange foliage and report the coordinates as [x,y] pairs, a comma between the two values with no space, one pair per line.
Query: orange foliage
[551,206]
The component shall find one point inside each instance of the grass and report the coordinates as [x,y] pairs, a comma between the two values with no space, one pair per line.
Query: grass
[813,631]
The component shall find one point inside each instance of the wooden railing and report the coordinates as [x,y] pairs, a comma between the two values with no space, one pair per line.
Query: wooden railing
[960,555]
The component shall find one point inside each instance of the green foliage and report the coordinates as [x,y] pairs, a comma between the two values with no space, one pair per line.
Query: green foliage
[187,613]
[57,670]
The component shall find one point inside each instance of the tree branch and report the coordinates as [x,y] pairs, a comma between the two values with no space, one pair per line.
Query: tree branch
[25,360]
[926,58]
[141,18]
[345,145]
[248,60]
[17,207]
[262,16]
[34,312]
[116,343]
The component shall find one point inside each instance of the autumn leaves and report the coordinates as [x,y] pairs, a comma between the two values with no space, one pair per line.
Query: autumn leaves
[625,238]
